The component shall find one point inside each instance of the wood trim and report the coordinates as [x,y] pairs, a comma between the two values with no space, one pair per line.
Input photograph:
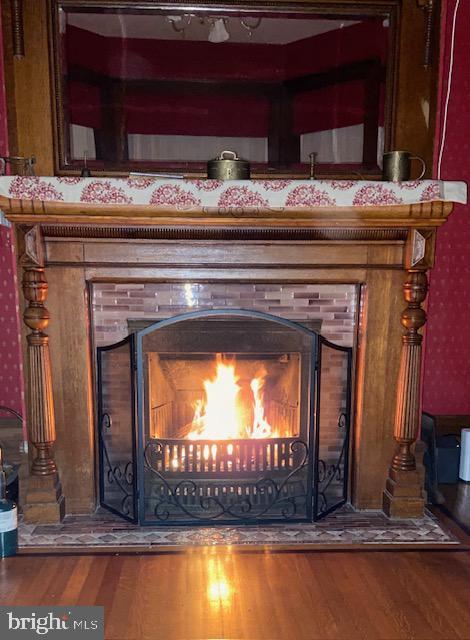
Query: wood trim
[426,214]
[446,424]
[371,252]
[416,87]
[403,496]
[218,255]
[125,273]
[331,235]
[32,132]
[44,499]
[30,248]
[17,28]
[72,364]
[458,546]
[28,87]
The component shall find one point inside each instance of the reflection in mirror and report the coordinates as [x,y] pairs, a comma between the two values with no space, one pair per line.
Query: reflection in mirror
[171,89]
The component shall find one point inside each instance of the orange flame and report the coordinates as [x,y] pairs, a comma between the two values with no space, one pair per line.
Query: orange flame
[221,415]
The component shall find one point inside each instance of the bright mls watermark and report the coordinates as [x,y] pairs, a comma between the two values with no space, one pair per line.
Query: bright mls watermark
[57,623]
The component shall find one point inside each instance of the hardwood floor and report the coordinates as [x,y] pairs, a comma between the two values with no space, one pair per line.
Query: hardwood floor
[238,594]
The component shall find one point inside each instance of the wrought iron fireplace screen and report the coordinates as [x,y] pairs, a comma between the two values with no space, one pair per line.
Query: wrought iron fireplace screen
[223,417]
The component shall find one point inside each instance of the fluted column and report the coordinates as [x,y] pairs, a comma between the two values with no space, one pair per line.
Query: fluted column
[40,401]
[403,496]
[44,501]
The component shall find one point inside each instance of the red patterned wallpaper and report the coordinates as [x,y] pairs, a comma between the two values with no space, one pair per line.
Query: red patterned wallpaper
[447,357]
[11,392]
[11,387]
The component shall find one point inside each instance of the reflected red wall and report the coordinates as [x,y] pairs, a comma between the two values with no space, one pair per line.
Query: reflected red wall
[447,356]
[136,58]
[11,385]
[189,113]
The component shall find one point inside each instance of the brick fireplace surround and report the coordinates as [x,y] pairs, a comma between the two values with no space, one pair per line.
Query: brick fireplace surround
[82,261]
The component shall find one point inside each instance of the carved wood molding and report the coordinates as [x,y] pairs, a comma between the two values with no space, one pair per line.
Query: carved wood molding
[420,249]
[430,9]
[229,234]
[17,28]
[425,214]
[30,243]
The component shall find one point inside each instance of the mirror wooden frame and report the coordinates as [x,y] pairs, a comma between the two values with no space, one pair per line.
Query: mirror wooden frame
[36,128]
[282,144]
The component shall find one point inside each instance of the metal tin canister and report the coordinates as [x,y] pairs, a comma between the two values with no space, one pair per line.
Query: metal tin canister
[228,166]
[8,529]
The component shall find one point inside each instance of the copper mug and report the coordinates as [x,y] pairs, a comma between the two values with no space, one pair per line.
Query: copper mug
[397,166]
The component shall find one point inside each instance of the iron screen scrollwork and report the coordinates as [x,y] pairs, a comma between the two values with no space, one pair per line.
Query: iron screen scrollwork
[260,498]
[332,438]
[168,478]
[116,429]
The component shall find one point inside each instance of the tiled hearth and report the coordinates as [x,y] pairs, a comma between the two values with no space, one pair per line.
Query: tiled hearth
[344,527]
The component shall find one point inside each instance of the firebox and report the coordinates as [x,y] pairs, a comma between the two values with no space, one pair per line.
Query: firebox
[223,417]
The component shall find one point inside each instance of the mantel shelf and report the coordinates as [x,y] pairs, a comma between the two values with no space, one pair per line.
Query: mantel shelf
[250,203]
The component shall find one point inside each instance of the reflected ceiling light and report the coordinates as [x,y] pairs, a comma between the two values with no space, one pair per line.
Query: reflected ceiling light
[218,31]
[220,591]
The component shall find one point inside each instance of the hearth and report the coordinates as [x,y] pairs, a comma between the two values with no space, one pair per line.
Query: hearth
[223,416]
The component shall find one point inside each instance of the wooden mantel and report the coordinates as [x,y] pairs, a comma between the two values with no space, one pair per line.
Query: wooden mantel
[386,251]
[426,214]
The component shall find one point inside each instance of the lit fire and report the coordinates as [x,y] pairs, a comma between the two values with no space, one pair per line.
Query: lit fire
[222,414]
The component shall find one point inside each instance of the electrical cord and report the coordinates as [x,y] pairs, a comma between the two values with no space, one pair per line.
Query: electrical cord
[449,86]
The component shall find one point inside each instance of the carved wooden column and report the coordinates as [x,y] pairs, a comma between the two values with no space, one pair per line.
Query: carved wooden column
[404,496]
[44,500]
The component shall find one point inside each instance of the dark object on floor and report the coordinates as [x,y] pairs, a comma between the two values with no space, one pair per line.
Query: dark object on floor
[448,459]
[441,458]
[428,436]
[12,482]
[12,445]
[457,503]
[8,517]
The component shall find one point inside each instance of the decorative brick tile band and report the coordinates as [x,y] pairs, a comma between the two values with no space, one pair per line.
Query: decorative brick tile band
[114,304]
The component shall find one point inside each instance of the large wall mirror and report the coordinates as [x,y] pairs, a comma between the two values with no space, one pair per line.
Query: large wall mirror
[166,88]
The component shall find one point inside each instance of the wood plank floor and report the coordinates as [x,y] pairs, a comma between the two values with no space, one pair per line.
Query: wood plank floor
[232,594]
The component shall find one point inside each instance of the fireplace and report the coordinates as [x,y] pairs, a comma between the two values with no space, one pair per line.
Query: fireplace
[216,417]
[246,261]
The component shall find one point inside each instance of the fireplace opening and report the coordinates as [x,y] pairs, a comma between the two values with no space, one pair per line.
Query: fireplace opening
[216,417]
[223,396]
